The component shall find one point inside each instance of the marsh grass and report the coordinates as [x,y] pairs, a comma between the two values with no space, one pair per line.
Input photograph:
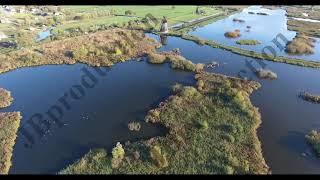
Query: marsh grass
[248,42]
[9,123]
[5,98]
[103,48]
[313,139]
[228,146]
[301,44]
[177,61]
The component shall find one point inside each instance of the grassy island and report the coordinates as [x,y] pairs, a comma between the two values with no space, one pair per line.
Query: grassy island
[212,130]
[9,124]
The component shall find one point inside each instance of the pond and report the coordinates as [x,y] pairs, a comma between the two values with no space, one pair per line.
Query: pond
[286,118]
[263,28]
[44,34]
[130,89]
[99,119]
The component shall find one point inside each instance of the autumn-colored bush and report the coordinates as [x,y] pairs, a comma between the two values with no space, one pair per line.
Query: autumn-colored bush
[233,34]
[301,44]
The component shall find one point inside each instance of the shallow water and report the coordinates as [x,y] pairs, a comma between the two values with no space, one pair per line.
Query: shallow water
[285,117]
[99,119]
[44,35]
[263,28]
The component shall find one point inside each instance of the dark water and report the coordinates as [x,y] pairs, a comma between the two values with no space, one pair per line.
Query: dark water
[263,29]
[98,119]
[285,117]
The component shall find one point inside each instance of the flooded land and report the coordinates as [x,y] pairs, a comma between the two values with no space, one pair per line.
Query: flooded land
[99,90]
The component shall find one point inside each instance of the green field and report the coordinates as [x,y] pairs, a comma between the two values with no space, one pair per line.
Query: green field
[178,14]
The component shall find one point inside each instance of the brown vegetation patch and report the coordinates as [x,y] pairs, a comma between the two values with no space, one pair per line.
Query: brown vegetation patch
[102,48]
[232,34]
[5,98]
[301,44]
[9,123]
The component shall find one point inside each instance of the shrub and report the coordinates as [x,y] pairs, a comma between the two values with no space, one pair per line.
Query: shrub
[129,13]
[229,138]
[134,126]
[80,53]
[232,34]
[183,64]
[301,44]
[313,139]
[200,84]
[117,51]
[266,74]
[117,155]
[159,157]
[228,169]
[199,67]
[203,124]
[156,58]
[177,88]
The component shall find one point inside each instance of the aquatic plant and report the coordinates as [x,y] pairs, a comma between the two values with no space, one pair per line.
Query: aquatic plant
[310,97]
[262,13]
[248,42]
[134,126]
[158,156]
[266,74]
[238,20]
[313,139]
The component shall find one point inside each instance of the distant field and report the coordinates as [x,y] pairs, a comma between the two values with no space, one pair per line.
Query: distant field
[174,15]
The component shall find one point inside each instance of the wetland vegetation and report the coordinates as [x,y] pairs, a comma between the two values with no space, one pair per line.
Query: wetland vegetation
[313,139]
[310,97]
[9,124]
[220,112]
[212,125]
[248,42]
